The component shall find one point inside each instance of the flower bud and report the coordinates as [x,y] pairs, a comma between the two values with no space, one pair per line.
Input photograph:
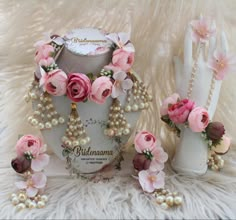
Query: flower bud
[140,162]
[20,164]
[215,131]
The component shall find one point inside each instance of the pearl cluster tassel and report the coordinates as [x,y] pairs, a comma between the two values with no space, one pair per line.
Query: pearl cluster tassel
[166,199]
[45,116]
[33,91]
[138,97]
[22,201]
[117,125]
[75,132]
[215,162]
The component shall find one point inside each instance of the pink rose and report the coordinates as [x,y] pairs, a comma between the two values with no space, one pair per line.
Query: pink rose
[54,82]
[101,89]
[29,143]
[78,87]
[171,100]
[123,59]
[198,119]
[178,113]
[144,140]
[44,54]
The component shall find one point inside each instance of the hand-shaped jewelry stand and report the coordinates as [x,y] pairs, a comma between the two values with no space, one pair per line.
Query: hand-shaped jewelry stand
[195,80]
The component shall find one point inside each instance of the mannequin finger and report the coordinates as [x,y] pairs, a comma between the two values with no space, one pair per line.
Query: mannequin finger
[212,44]
[188,50]
[224,43]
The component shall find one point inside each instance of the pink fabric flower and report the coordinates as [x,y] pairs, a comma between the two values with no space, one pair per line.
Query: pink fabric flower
[54,82]
[198,119]
[121,84]
[112,67]
[40,162]
[222,64]
[122,59]
[101,89]
[33,185]
[141,162]
[48,38]
[178,113]
[122,41]
[145,140]
[158,159]
[150,181]
[202,30]
[223,147]
[44,54]
[29,143]
[78,87]
[171,100]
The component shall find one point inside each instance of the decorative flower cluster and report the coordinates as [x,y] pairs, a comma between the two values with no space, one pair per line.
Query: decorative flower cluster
[78,86]
[175,112]
[149,161]
[30,161]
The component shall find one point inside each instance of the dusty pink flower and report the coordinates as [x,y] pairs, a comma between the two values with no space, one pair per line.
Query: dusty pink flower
[54,82]
[21,164]
[29,143]
[215,131]
[40,162]
[78,87]
[222,64]
[44,54]
[171,100]
[145,140]
[198,119]
[122,59]
[101,89]
[33,185]
[178,113]
[121,84]
[223,147]
[112,67]
[202,30]
[150,181]
[122,41]
[158,159]
[141,162]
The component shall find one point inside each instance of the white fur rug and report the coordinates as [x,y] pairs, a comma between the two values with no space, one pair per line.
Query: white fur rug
[157,29]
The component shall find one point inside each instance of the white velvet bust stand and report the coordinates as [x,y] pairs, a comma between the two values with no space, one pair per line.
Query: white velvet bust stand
[192,152]
[70,62]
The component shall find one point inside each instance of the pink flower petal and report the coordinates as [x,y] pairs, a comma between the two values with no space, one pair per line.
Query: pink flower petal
[113,37]
[129,48]
[123,37]
[127,84]
[21,185]
[156,166]
[115,92]
[40,162]
[160,182]
[39,180]
[119,76]
[31,192]
[144,181]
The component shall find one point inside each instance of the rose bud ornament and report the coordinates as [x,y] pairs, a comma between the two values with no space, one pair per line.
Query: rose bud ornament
[141,162]
[215,131]
[20,164]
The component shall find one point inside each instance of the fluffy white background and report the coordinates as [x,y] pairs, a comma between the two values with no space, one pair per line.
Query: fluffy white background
[157,29]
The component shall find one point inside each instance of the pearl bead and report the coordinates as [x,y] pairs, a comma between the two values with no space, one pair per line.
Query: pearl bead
[126,131]
[150,98]
[170,200]
[30,119]
[41,126]
[44,198]
[164,205]
[141,105]
[221,163]
[160,199]
[83,141]
[128,125]
[33,96]
[13,195]
[61,120]
[49,116]
[128,108]
[64,138]
[22,197]
[175,193]
[27,202]
[37,113]
[48,125]
[146,105]
[135,107]
[41,204]
[26,98]
[32,205]
[54,122]
[88,139]
[68,142]
[34,122]
[110,132]
[20,206]
[15,201]
[178,200]
[75,143]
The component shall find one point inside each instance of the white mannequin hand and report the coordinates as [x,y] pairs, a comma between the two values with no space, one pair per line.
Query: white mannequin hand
[191,154]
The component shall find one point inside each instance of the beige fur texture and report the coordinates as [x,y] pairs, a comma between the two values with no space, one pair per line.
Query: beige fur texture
[157,30]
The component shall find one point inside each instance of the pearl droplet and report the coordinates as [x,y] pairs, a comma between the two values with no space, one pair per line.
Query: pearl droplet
[20,206]
[83,141]
[75,143]
[170,200]
[88,139]
[135,107]
[178,200]
[128,108]
[15,201]
[61,120]
[41,204]
[160,199]
[54,122]
[13,195]
[26,98]
[22,197]
[48,125]
[34,122]
[32,205]
[44,198]
[141,105]
[126,131]
[164,205]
